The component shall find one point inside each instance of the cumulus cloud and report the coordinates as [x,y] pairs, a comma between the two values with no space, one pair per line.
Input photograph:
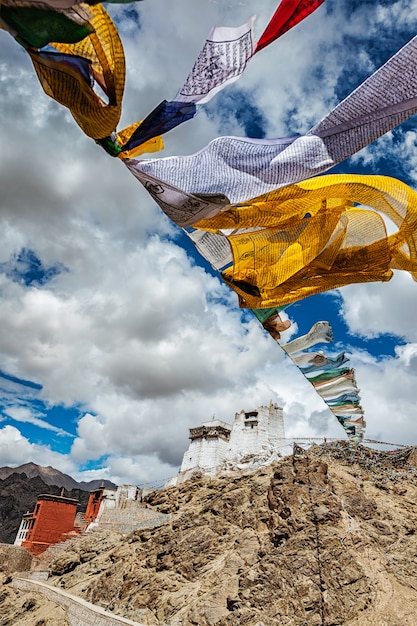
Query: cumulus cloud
[15,449]
[23,414]
[379,309]
[388,392]
[132,329]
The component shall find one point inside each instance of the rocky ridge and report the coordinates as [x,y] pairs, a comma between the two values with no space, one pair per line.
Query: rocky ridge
[324,538]
[51,476]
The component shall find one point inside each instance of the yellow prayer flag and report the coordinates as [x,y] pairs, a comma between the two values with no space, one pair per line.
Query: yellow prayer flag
[308,238]
[103,50]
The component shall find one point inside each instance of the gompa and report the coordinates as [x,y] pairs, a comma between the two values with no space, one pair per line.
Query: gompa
[52,521]
[255,438]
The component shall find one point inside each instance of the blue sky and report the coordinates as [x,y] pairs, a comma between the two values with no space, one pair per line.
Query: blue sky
[115,336]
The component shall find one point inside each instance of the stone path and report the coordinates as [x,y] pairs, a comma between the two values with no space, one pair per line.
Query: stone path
[79,612]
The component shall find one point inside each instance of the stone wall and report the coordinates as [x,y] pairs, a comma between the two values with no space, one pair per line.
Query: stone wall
[78,611]
[254,434]
[125,493]
[131,516]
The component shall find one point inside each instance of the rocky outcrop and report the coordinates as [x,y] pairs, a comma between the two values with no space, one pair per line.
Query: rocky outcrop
[324,538]
[14,559]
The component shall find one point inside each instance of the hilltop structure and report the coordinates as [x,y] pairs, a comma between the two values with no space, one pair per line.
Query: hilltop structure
[255,438]
[52,521]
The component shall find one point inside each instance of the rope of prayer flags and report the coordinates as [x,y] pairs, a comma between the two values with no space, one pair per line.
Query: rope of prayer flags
[221,62]
[242,168]
[346,406]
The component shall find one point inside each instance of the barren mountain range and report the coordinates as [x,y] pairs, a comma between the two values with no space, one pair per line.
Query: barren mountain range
[52,476]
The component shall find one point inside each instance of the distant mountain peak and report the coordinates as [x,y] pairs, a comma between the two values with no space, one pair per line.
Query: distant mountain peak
[52,476]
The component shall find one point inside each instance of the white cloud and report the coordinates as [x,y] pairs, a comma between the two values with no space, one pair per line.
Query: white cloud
[380,308]
[387,389]
[147,342]
[16,450]
[23,414]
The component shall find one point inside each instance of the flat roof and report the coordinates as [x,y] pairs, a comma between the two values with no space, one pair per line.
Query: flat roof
[216,423]
[51,497]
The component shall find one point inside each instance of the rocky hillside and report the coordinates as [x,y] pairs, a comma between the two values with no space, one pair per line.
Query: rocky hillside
[327,537]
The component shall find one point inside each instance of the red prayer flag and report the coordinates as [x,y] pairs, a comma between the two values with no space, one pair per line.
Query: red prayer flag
[288,14]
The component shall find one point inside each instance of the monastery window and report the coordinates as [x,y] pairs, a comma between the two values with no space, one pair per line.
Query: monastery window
[251,419]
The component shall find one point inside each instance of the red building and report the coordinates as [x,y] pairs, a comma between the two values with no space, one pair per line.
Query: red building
[51,522]
[93,506]
[107,498]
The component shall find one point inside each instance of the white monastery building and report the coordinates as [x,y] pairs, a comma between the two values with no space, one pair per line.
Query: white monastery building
[256,438]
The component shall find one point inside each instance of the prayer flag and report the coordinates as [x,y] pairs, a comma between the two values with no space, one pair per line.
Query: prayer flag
[242,168]
[288,14]
[221,62]
[61,80]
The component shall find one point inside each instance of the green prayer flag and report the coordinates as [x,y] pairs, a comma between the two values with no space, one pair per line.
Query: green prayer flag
[38,27]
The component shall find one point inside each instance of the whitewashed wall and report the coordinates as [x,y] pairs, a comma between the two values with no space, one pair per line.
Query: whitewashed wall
[251,436]
[207,454]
